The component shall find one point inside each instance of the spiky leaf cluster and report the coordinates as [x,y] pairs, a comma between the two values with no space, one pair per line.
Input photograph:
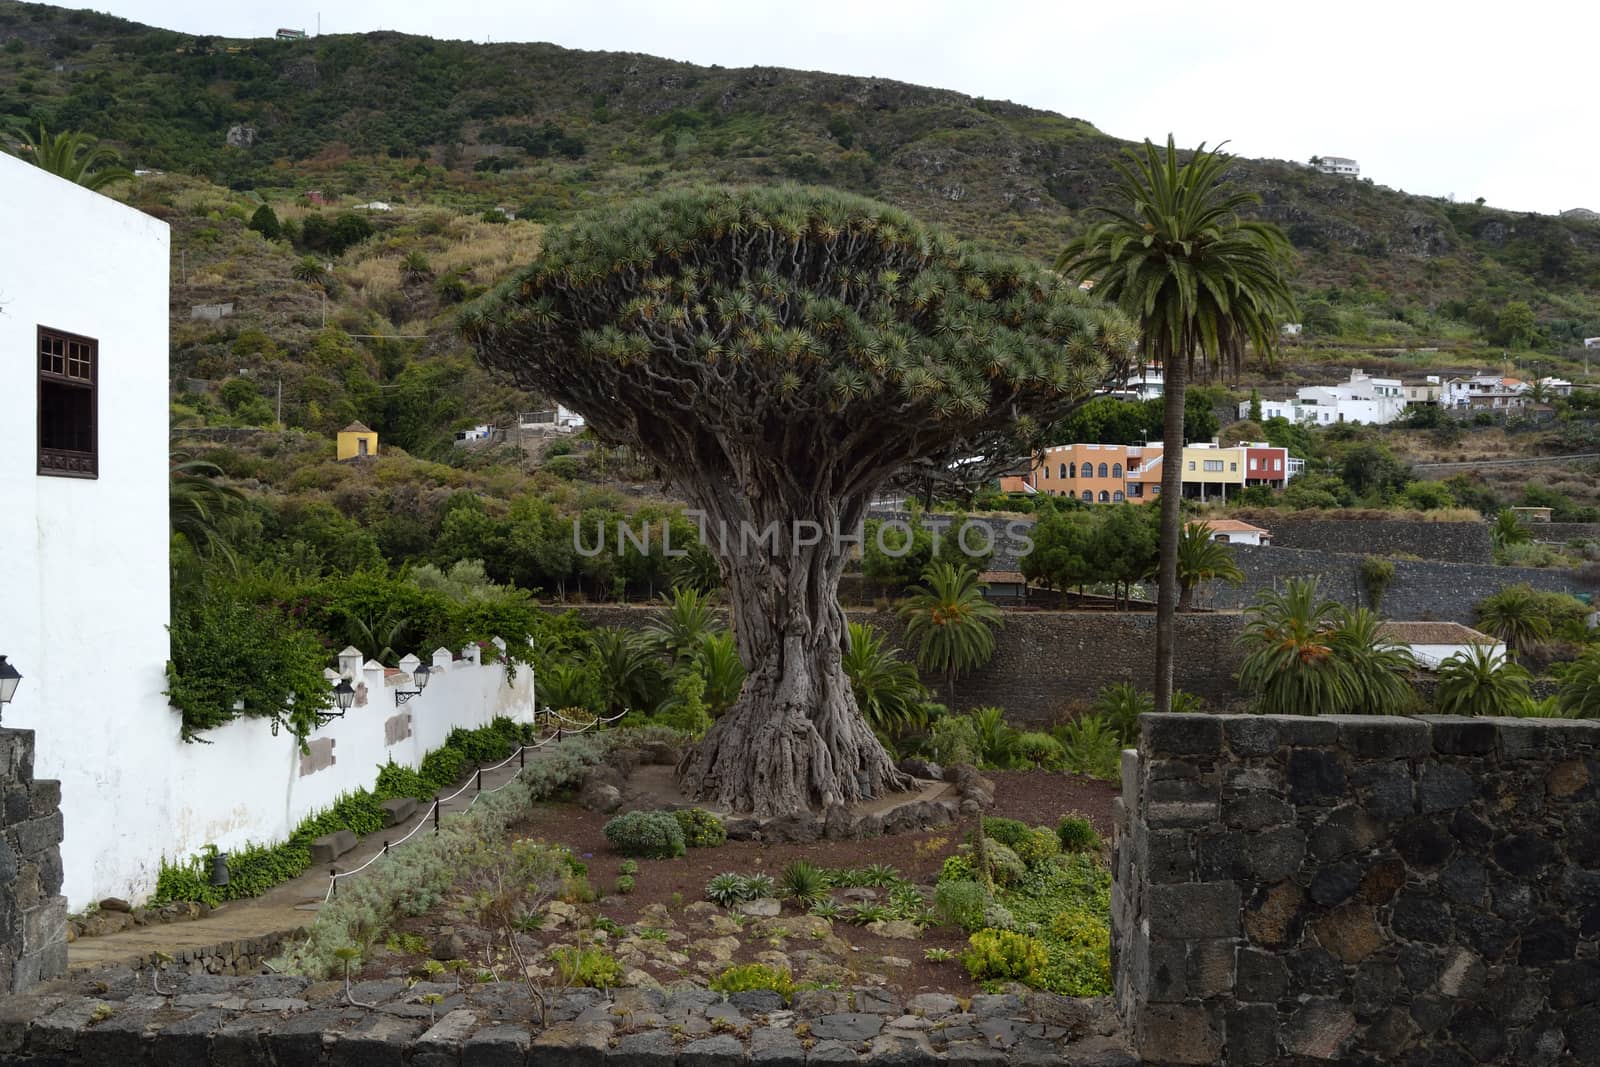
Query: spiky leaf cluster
[827,329]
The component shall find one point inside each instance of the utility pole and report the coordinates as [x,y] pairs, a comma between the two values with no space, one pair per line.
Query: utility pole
[280,402]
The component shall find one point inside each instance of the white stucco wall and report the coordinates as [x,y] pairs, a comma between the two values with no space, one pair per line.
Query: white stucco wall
[83,563]
[247,785]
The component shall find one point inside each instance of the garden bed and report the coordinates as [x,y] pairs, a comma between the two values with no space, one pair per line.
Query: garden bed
[664,932]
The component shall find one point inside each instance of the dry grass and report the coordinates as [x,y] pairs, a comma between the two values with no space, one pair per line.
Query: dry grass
[488,251]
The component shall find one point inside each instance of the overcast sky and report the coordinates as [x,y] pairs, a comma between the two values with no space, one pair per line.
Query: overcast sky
[1462,99]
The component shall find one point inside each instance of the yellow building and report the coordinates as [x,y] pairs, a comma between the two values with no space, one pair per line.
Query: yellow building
[357,442]
[1208,470]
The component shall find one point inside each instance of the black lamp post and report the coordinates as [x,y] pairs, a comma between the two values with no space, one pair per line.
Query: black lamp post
[9,679]
[344,696]
[420,676]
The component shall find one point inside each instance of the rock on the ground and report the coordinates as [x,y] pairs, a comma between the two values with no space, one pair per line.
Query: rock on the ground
[115,904]
[921,768]
[761,907]
[600,797]
[898,929]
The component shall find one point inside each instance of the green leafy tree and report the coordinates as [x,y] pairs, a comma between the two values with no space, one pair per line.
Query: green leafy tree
[780,353]
[265,222]
[1063,549]
[1514,326]
[1201,560]
[689,616]
[1125,546]
[309,269]
[1255,405]
[1202,284]
[950,622]
[1481,682]
[73,155]
[197,505]
[717,660]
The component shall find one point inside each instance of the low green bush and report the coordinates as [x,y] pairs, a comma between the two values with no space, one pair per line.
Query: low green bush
[1038,749]
[651,834]
[1005,866]
[1004,956]
[745,977]
[957,869]
[1077,834]
[625,884]
[701,829]
[960,903]
[591,968]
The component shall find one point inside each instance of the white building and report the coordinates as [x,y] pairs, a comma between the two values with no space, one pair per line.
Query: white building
[1363,398]
[83,492]
[1235,532]
[1340,165]
[1147,383]
[1431,643]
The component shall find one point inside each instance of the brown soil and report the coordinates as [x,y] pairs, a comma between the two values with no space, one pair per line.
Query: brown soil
[1036,797]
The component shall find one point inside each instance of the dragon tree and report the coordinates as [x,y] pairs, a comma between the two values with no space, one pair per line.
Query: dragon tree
[779,352]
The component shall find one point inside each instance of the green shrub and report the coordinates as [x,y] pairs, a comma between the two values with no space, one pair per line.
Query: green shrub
[625,884]
[1081,965]
[957,869]
[953,740]
[628,867]
[1077,834]
[1006,831]
[1004,956]
[760,885]
[592,968]
[441,768]
[1005,866]
[1039,749]
[751,976]
[701,829]
[1037,845]
[651,834]
[960,904]
[397,781]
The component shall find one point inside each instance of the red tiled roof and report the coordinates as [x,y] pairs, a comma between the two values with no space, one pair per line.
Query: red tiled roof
[1434,633]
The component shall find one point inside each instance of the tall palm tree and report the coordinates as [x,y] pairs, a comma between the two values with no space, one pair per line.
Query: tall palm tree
[887,689]
[74,155]
[1515,616]
[1202,284]
[1481,682]
[1201,560]
[950,622]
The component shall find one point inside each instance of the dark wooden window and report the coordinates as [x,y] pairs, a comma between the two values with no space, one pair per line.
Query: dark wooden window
[69,405]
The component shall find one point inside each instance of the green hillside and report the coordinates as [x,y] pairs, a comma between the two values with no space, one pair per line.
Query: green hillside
[542,130]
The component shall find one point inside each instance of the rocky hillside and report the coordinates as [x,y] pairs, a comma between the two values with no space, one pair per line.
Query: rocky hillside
[542,130]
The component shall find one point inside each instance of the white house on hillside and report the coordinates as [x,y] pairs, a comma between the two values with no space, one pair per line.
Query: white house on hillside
[1340,165]
[83,494]
[1431,643]
[1363,398]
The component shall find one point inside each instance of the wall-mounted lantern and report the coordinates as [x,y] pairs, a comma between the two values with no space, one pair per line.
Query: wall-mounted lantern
[344,696]
[420,676]
[9,679]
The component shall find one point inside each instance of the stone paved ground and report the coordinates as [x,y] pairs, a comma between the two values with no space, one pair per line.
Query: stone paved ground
[281,910]
[114,1016]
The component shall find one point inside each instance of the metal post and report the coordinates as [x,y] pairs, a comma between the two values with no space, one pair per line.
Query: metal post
[436,813]
[333,878]
[386,848]
[480,779]
[522,756]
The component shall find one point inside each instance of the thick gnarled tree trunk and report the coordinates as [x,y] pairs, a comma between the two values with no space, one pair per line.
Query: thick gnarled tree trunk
[794,740]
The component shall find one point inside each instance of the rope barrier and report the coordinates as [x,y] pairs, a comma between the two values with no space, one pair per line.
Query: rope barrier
[439,802]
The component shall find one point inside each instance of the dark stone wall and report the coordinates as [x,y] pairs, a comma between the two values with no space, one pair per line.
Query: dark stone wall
[1359,890]
[1559,533]
[1451,542]
[1420,589]
[33,913]
[1046,661]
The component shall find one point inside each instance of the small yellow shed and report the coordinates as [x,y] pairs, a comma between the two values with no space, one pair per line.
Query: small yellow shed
[357,442]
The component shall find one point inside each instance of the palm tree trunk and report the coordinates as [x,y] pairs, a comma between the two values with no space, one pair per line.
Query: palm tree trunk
[1175,386]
